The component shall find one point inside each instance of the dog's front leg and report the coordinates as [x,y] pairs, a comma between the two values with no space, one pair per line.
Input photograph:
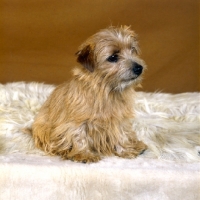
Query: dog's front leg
[130,147]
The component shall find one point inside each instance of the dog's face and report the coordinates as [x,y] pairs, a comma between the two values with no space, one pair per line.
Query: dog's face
[113,56]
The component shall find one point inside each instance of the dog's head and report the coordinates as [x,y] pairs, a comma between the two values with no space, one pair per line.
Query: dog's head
[113,55]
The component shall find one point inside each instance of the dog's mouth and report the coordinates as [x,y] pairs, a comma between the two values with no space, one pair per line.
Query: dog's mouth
[131,79]
[135,77]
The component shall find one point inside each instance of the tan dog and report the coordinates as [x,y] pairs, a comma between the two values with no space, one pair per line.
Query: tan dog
[90,116]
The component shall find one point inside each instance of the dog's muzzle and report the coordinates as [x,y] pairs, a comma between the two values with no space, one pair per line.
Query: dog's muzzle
[137,69]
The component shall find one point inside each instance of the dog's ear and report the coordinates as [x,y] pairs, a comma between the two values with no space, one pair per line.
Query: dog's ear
[85,56]
[134,36]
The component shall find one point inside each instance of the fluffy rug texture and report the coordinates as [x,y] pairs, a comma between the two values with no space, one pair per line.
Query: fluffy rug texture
[169,169]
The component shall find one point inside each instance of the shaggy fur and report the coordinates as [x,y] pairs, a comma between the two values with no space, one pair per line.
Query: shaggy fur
[90,116]
[170,124]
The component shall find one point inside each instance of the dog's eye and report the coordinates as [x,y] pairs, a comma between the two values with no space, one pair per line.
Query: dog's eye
[113,58]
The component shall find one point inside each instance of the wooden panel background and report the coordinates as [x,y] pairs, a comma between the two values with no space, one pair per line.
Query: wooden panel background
[38,38]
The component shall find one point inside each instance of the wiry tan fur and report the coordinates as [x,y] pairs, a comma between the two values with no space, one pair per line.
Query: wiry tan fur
[89,117]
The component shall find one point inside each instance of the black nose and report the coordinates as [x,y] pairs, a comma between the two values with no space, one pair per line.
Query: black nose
[137,69]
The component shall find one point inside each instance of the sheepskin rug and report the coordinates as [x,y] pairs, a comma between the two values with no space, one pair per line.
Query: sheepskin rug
[169,169]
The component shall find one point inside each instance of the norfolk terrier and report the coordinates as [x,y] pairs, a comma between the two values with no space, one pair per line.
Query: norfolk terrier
[90,117]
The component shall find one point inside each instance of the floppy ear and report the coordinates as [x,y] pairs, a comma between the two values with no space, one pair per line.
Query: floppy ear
[86,57]
[134,36]
[137,47]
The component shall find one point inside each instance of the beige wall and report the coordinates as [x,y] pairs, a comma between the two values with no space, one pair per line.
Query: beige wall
[38,38]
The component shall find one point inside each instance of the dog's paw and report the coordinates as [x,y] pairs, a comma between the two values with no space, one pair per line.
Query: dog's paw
[140,147]
[85,158]
[132,152]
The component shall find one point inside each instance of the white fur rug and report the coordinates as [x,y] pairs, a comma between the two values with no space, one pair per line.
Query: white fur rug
[170,169]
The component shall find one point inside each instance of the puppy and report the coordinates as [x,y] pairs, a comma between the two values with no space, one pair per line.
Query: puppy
[90,117]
